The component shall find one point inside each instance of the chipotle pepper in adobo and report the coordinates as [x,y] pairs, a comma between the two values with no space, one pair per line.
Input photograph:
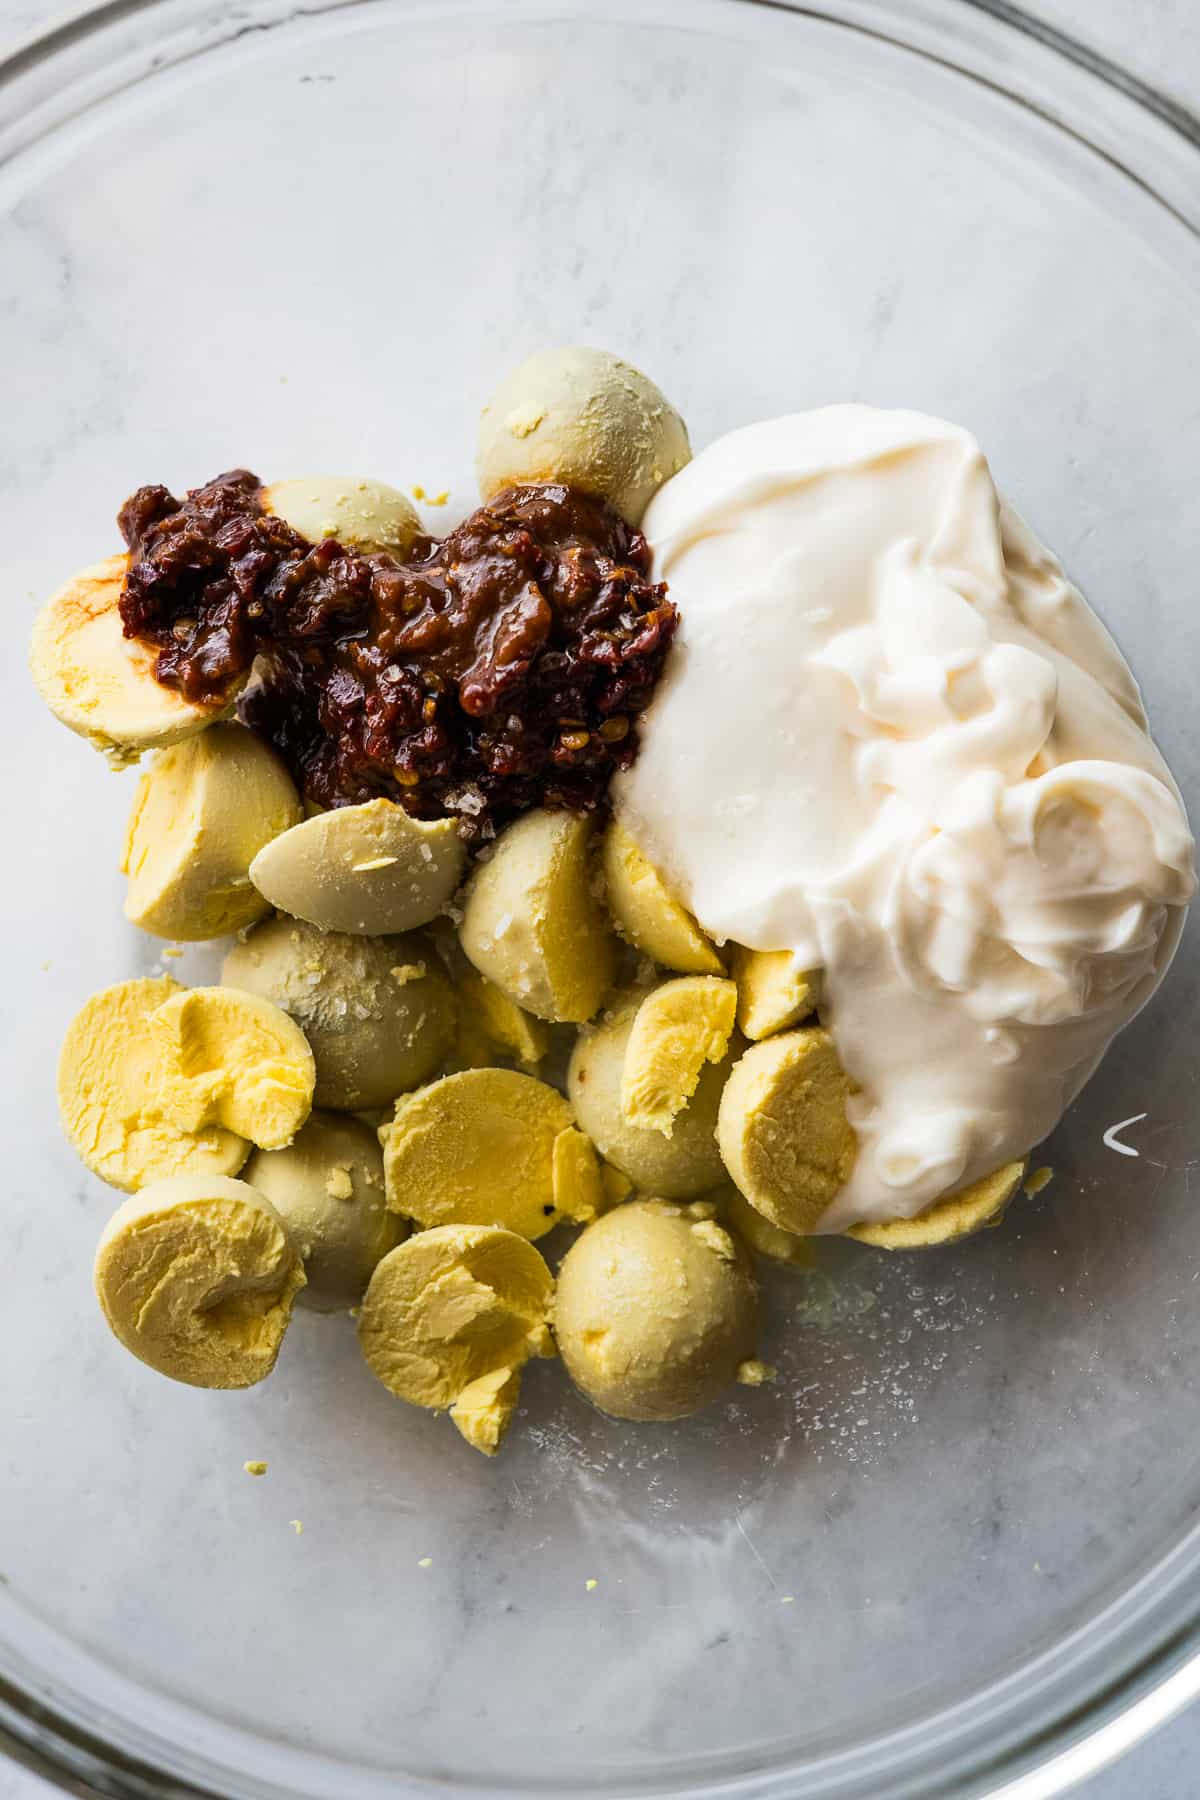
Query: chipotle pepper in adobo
[498,669]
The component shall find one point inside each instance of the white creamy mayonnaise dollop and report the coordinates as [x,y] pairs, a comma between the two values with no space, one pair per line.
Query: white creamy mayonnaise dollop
[893,737]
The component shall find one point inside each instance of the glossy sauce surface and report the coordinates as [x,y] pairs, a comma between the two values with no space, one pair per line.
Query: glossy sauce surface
[498,669]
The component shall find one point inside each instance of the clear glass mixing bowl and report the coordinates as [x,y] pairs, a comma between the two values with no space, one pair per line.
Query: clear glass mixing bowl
[957,1537]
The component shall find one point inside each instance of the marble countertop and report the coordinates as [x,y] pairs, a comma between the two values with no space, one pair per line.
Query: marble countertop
[1159,40]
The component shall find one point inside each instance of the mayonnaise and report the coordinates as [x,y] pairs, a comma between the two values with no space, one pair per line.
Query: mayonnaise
[894,739]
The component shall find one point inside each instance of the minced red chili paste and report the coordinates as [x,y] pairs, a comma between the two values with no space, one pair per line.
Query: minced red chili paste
[498,669]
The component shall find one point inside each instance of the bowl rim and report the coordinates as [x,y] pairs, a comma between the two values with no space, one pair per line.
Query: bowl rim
[1024,59]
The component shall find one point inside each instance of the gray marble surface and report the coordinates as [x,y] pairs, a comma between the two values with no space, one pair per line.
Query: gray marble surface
[1160,39]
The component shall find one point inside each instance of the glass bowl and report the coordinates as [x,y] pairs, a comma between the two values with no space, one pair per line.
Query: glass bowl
[955,1542]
